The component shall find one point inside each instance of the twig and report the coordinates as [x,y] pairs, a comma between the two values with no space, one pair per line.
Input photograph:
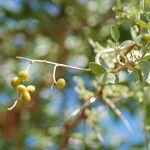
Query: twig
[14,104]
[79,110]
[29,65]
[69,127]
[114,100]
[101,52]
[52,63]
[68,130]
[96,131]
[54,74]
[123,51]
[118,112]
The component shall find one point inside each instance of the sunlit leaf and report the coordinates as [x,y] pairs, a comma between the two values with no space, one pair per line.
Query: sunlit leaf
[115,33]
[96,68]
[146,57]
[142,23]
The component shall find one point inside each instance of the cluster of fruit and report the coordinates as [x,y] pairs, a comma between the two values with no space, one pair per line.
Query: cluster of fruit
[24,91]
[17,82]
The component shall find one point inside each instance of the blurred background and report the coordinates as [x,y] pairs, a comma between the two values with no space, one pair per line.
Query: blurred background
[57,30]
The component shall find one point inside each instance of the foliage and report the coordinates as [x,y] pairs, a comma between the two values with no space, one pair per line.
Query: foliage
[87,59]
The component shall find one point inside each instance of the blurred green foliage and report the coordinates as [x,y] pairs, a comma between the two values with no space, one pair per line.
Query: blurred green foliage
[59,31]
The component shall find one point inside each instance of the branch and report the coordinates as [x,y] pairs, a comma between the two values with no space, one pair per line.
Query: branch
[96,131]
[52,63]
[123,51]
[118,112]
[68,130]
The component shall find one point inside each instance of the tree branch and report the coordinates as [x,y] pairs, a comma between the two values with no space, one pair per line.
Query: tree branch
[52,63]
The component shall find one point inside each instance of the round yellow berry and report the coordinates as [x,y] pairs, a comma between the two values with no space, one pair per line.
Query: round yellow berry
[146,37]
[15,81]
[21,88]
[61,83]
[23,75]
[31,88]
[26,96]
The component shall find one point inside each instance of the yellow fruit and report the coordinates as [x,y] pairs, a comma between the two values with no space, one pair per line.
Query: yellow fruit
[15,81]
[26,96]
[61,83]
[31,88]
[146,37]
[23,75]
[21,88]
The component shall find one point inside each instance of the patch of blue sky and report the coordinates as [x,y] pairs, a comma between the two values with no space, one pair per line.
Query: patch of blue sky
[11,5]
[31,141]
[4,98]
[52,9]
[118,130]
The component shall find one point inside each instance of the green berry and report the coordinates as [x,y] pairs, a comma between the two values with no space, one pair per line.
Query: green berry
[26,96]
[23,75]
[31,88]
[21,88]
[61,83]
[15,81]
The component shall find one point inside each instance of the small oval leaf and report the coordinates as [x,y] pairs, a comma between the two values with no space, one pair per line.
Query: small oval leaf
[96,68]
[115,33]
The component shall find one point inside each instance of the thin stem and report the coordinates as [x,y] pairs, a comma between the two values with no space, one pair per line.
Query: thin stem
[102,107]
[100,53]
[14,104]
[29,65]
[52,63]
[68,130]
[79,110]
[96,131]
[54,74]
[124,50]
[92,43]
[118,112]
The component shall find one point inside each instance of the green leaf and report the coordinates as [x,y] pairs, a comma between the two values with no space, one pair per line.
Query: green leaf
[135,75]
[133,32]
[145,67]
[115,33]
[142,23]
[111,78]
[96,68]
[146,57]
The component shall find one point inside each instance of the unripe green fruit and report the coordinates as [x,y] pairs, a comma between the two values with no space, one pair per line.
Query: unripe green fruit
[31,88]
[23,75]
[21,88]
[26,96]
[61,83]
[15,81]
